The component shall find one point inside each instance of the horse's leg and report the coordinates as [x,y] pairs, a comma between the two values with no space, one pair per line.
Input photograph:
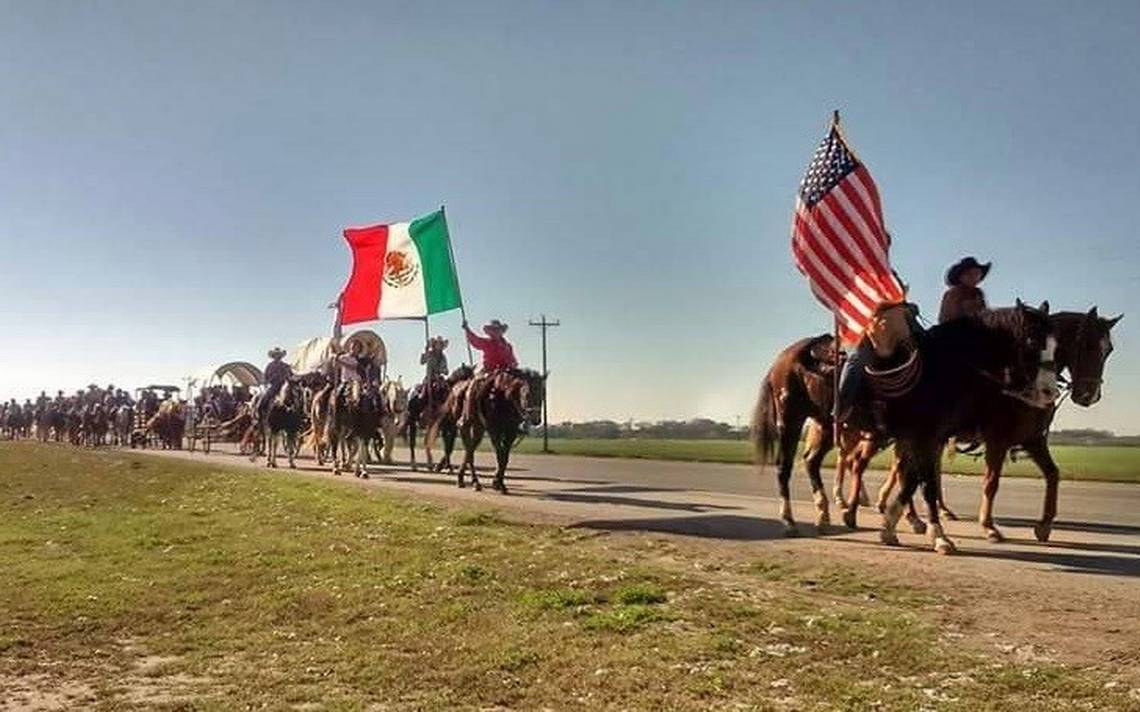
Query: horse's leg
[1038,450]
[931,492]
[813,460]
[841,466]
[389,440]
[411,434]
[908,480]
[888,484]
[857,460]
[789,440]
[995,458]
[470,446]
[291,447]
[942,508]
[502,446]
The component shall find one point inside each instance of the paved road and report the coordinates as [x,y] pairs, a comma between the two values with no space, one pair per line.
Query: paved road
[1097,532]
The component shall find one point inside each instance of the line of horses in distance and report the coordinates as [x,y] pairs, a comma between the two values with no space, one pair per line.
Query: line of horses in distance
[351,426]
[990,381]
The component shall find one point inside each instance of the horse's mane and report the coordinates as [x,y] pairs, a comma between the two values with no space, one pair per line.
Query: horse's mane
[462,373]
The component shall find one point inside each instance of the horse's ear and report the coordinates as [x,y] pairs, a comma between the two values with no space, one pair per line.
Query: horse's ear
[1109,323]
[547,374]
[1019,304]
[1044,308]
[1092,313]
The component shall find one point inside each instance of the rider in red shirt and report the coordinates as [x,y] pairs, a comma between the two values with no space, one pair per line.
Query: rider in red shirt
[497,356]
[496,350]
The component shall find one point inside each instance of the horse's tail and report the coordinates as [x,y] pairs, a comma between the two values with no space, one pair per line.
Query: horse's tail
[765,433]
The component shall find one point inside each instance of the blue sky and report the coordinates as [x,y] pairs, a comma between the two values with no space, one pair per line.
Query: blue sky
[174,176]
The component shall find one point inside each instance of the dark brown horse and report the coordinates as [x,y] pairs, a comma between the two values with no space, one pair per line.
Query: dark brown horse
[1084,343]
[962,369]
[284,418]
[507,403]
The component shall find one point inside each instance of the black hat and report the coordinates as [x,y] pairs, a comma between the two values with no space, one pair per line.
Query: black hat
[954,274]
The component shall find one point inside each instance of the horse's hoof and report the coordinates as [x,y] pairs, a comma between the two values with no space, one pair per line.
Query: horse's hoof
[364,476]
[502,489]
[889,538]
[839,502]
[882,507]
[849,519]
[1041,530]
[949,515]
[942,545]
[918,526]
[478,487]
[791,530]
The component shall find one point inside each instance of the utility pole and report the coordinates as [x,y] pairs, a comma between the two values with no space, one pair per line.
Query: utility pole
[543,325]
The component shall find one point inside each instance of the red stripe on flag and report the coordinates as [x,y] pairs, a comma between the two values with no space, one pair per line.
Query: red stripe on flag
[819,232]
[360,300]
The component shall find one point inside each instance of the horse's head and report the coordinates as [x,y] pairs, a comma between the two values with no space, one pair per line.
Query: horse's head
[1087,356]
[1033,369]
[396,396]
[528,396]
[889,327]
[463,373]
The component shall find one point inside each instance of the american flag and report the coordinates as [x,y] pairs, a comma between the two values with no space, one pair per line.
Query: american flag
[838,237]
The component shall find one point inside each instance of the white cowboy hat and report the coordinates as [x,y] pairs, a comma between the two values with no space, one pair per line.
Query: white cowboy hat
[495,325]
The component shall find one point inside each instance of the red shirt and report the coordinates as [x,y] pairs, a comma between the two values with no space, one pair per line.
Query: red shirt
[497,353]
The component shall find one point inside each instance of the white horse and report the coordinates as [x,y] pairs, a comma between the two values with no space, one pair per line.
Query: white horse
[395,407]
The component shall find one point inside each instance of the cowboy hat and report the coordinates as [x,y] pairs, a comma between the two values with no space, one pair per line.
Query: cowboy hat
[954,274]
[276,352]
[439,341]
[495,325]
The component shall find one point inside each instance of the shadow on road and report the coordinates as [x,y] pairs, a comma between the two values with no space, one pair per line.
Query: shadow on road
[1069,562]
[1064,526]
[734,527]
[633,502]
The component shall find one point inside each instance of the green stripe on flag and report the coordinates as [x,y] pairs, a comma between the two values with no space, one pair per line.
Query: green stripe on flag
[433,243]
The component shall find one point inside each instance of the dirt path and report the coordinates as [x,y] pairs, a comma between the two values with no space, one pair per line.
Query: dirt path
[1075,599]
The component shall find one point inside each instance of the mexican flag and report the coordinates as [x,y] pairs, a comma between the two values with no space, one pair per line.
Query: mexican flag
[400,271]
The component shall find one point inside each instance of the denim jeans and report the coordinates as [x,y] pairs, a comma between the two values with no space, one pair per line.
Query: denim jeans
[851,379]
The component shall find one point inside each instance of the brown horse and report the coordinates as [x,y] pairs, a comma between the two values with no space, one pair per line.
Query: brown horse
[1084,343]
[429,411]
[800,386]
[507,403]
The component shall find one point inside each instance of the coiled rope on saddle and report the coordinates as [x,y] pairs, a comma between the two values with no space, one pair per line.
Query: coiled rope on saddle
[895,382]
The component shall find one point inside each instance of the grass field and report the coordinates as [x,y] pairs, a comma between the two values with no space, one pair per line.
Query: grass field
[132,581]
[1107,463]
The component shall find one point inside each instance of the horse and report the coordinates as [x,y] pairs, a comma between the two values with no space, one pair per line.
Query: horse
[284,415]
[506,405]
[95,425]
[168,425]
[122,425]
[799,386]
[1084,343]
[950,375]
[395,408]
[355,422]
[428,411]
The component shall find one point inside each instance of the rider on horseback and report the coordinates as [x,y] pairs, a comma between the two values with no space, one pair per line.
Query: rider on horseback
[277,373]
[964,297]
[435,361]
[498,355]
[854,368]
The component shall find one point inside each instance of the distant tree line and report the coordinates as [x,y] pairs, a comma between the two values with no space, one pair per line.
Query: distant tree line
[708,429]
[695,429]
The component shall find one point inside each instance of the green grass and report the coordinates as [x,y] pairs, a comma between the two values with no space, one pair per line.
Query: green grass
[1105,463]
[140,582]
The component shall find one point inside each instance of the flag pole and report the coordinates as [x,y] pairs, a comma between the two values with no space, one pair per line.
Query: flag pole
[455,271]
[427,367]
